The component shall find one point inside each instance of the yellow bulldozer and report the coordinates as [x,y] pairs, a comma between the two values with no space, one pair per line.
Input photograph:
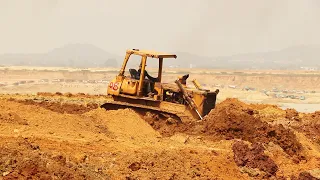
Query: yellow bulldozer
[142,91]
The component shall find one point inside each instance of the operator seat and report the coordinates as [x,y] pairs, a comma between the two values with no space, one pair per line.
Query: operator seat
[134,74]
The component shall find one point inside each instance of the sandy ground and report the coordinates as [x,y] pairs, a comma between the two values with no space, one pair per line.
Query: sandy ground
[301,83]
[81,141]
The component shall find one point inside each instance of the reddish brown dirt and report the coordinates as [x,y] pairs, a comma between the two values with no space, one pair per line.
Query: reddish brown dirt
[304,176]
[312,117]
[310,126]
[167,126]
[24,160]
[234,119]
[229,120]
[253,157]
[292,114]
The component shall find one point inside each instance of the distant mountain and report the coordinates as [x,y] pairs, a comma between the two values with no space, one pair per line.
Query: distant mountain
[86,55]
[296,57]
[289,58]
[71,55]
[81,55]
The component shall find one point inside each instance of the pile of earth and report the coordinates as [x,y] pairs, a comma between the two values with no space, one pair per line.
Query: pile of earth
[233,119]
[292,114]
[254,157]
[310,125]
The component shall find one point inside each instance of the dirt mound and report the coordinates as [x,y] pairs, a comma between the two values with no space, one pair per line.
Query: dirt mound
[253,157]
[166,126]
[316,115]
[11,117]
[271,114]
[24,160]
[234,119]
[292,114]
[312,116]
[125,123]
[304,176]
[312,130]
[69,108]
[310,126]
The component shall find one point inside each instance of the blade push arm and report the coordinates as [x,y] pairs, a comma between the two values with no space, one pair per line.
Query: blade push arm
[188,99]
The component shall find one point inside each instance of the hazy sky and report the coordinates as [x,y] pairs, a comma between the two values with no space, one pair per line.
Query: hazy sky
[209,27]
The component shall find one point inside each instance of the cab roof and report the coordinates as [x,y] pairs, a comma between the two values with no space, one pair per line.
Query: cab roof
[152,54]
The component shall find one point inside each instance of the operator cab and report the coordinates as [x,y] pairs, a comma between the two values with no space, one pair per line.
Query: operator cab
[148,82]
[139,82]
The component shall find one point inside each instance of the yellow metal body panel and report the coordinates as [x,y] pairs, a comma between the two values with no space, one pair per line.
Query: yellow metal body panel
[129,86]
[199,100]
[114,86]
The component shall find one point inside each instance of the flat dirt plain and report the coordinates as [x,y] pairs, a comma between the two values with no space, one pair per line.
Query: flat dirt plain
[72,138]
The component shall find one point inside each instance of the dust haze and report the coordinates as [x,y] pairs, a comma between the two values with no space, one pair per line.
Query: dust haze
[67,113]
[207,27]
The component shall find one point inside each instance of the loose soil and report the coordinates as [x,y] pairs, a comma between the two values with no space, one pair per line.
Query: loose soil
[253,157]
[233,119]
[70,140]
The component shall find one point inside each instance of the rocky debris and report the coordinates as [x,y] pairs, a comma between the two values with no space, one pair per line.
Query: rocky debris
[305,176]
[135,166]
[292,114]
[253,157]
[252,172]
